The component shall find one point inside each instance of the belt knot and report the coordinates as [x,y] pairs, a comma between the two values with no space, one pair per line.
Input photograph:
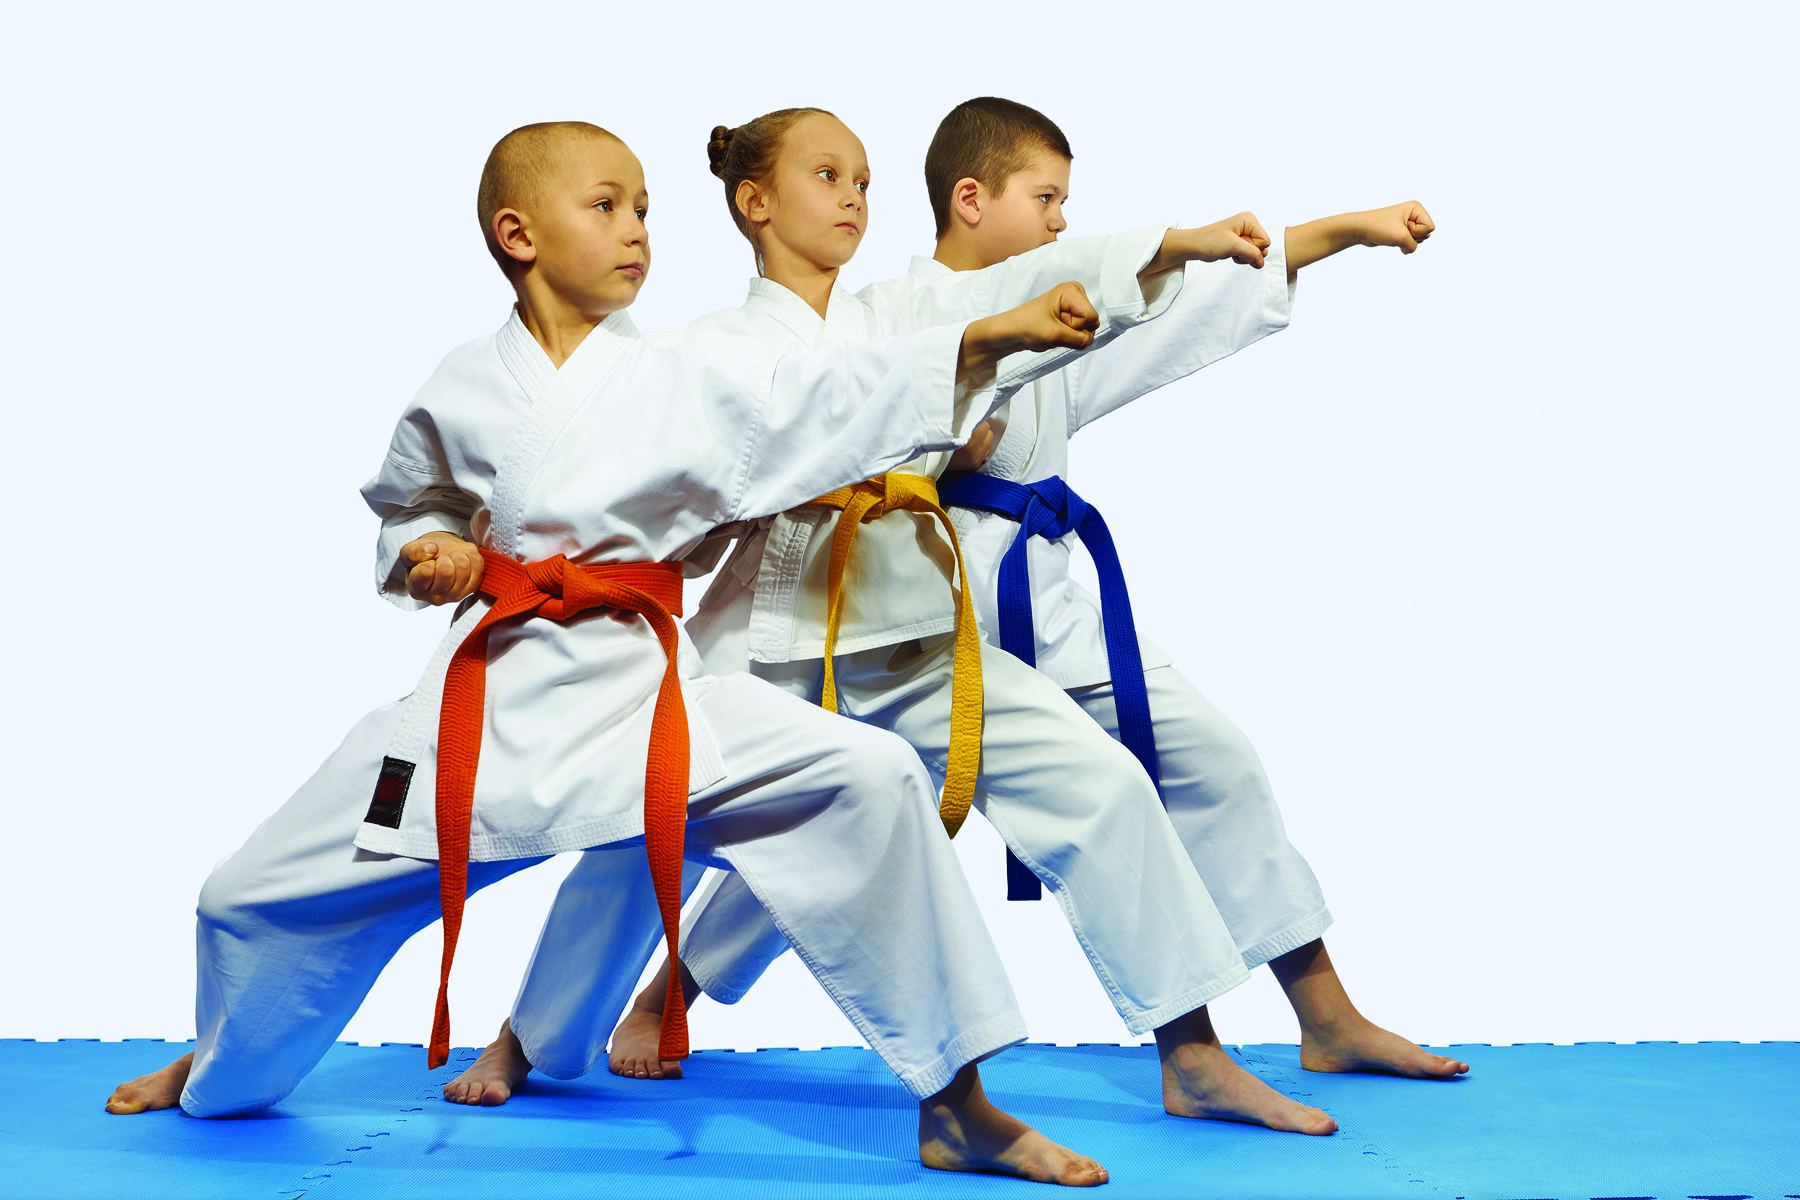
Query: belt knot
[1056,511]
[547,575]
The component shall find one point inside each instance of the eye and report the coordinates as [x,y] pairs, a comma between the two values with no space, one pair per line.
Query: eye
[642,213]
[827,174]
[1047,197]
[862,185]
[604,205]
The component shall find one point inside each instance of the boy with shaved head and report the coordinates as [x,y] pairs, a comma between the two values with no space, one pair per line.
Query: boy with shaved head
[565,711]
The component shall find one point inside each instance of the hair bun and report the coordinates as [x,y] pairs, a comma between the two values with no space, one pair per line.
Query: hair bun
[718,147]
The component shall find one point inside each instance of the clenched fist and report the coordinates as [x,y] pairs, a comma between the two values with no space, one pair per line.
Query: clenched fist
[443,568]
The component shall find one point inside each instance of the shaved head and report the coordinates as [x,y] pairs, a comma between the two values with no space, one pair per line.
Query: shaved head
[518,168]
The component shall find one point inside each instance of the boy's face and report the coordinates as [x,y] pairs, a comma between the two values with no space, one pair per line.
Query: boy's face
[817,206]
[587,226]
[1027,211]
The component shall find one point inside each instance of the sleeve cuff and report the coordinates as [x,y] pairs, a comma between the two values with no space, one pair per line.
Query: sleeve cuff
[1125,300]
[390,571]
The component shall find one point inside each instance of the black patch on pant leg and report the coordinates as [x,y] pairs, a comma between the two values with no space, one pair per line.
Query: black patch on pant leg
[390,793]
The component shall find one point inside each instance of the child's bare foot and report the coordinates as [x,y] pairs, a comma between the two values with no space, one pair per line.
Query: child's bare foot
[633,1053]
[1334,1036]
[961,1130]
[1200,1080]
[634,1045]
[159,1089]
[490,1079]
[1361,1045]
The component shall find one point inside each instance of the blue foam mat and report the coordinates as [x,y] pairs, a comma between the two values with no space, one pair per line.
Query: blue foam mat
[1652,1120]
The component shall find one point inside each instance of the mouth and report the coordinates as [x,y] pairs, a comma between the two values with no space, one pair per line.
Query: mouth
[633,270]
[850,225]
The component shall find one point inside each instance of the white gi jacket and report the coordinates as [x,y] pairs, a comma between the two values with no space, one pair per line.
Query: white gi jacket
[633,451]
[1222,307]
[769,602]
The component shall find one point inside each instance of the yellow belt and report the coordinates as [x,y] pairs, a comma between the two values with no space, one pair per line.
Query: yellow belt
[915,493]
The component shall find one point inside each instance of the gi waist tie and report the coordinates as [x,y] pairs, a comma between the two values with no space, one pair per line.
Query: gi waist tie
[1049,508]
[557,590]
[914,493]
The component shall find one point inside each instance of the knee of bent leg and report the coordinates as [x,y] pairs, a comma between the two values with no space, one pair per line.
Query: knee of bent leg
[226,898]
[879,765]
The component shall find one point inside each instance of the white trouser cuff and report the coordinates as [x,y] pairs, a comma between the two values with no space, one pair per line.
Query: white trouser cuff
[983,1041]
[1291,938]
[715,987]
[1147,1021]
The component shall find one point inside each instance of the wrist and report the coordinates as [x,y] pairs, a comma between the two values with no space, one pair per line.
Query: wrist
[1183,246]
[993,338]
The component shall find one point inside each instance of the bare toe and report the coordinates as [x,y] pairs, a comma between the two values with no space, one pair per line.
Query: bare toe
[1201,1081]
[491,1079]
[959,1130]
[635,1046]
[148,1093]
[1364,1046]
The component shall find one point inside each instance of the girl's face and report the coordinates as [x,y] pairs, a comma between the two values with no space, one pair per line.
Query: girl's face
[816,206]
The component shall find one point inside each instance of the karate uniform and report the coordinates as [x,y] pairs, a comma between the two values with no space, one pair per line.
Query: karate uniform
[1218,796]
[632,451]
[1068,799]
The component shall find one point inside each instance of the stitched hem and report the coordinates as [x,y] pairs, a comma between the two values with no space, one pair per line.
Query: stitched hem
[378,839]
[547,1063]
[1291,938]
[1147,1020]
[711,984]
[927,1076]
[984,1041]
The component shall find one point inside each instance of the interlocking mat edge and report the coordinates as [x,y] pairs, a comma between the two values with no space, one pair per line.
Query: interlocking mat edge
[1531,1122]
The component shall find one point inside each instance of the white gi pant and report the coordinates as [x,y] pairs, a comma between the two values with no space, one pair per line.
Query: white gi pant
[833,825]
[1071,802]
[1224,811]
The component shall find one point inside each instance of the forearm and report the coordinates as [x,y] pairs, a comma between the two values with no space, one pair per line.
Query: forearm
[1308,243]
[1179,247]
[984,343]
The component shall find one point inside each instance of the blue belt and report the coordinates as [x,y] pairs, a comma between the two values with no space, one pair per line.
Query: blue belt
[1049,508]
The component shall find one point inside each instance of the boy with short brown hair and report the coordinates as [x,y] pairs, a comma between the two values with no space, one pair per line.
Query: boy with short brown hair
[998,174]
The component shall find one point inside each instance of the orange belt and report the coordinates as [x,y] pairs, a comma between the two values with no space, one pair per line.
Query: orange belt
[866,501]
[557,589]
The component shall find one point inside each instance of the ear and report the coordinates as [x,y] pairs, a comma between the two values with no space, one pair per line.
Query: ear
[514,239]
[752,201]
[967,199]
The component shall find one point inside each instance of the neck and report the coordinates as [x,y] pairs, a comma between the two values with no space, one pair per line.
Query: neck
[807,280]
[559,326]
[956,251]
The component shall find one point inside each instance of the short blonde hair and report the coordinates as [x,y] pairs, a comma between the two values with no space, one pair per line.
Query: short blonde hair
[518,167]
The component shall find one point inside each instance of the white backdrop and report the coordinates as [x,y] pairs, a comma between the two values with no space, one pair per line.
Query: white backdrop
[1490,553]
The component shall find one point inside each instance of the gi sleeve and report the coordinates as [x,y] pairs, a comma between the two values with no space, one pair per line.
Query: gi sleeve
[1222,307]
[413,495]
[1106,266]
[827,418]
